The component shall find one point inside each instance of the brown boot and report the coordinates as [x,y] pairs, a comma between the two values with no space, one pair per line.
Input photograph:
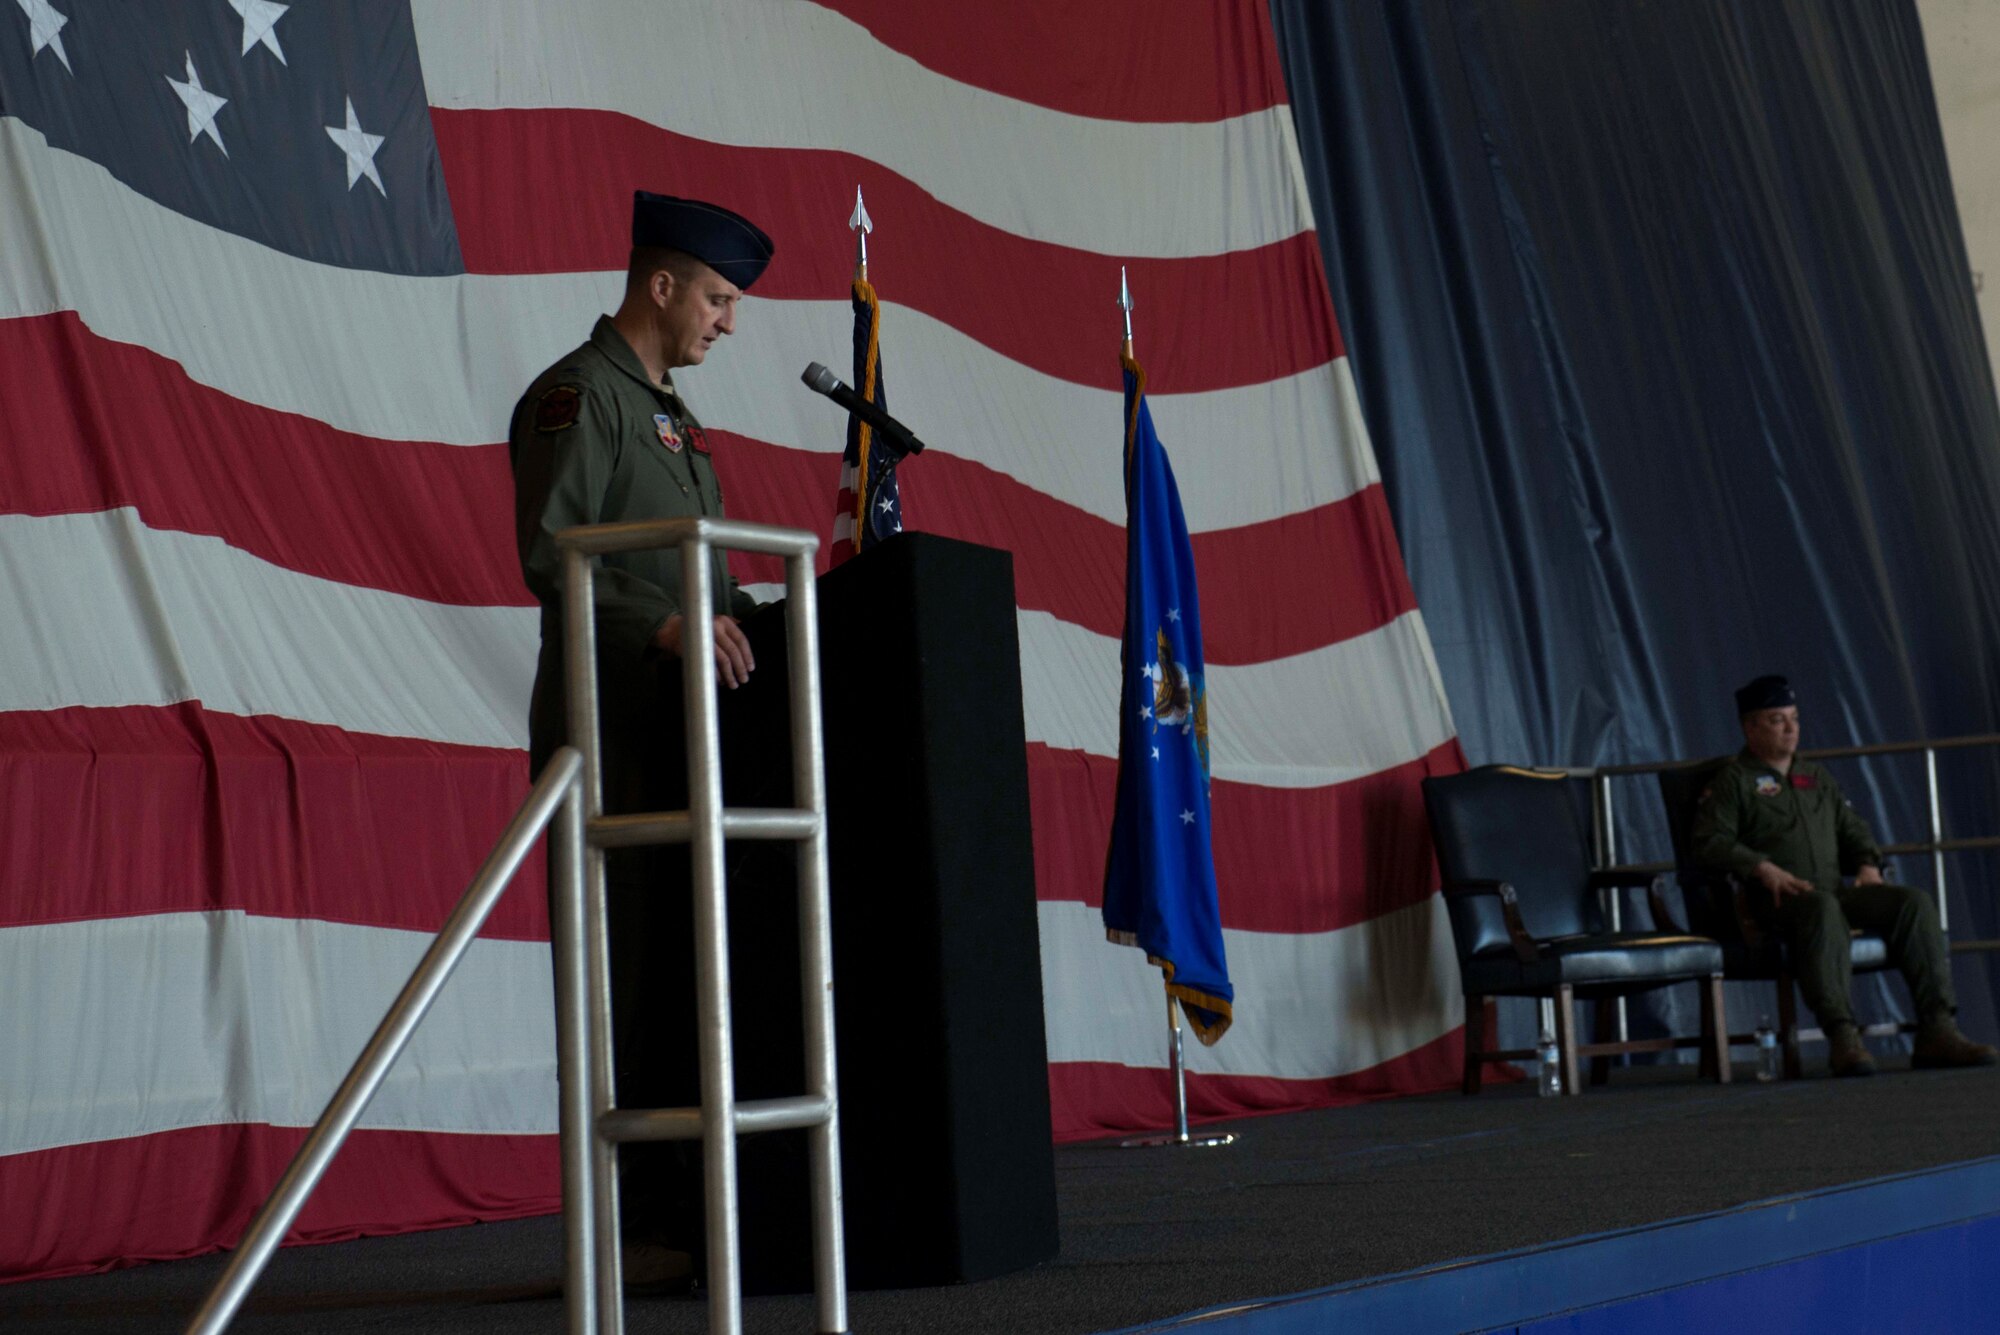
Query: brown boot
[1846,1055]
[1940,1044]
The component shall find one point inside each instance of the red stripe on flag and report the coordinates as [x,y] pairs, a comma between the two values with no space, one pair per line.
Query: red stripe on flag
[130,428]
[1218,321]
[136,810]
[109,1204]
[1286,859]
[1093,1099]
[1268,590]
[1179,60]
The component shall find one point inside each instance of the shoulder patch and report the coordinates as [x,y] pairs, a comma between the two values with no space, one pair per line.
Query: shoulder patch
[558,408]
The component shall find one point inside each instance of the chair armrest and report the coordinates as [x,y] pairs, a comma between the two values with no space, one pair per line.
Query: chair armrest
[1619,878]
[1746,921]
[1525,949]
[1663,917]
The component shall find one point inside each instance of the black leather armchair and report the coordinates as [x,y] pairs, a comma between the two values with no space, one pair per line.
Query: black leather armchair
[1718,905]
[1527,920]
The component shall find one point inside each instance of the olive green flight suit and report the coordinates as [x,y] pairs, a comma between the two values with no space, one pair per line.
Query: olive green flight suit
[589,444]
[587,447]
[1751,814]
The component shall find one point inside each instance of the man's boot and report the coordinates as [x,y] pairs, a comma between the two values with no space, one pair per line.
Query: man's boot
[1940,1044]
[1846,1054]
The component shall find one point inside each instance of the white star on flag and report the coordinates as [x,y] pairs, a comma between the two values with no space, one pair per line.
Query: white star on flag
[260,25]
[360,148]
[1173,614]
[1145,711]
[1156,753]
[45,29]
[1187,818]
[886,505]
[201,106]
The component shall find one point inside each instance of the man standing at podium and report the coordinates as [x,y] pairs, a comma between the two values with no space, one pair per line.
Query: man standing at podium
[603,436]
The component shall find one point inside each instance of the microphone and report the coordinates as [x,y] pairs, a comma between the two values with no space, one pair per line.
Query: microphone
[822,381]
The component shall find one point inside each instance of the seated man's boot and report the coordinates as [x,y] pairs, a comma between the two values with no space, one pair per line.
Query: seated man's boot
[1939,1043]
[1846,1054]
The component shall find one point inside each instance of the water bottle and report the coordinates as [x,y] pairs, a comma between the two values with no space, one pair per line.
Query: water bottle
[1767,1050]
[1551,1081]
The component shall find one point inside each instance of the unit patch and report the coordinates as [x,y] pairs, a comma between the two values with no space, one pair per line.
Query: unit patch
[558,408]
[1768,786]
[668,436]
[1804,781]
[697,439]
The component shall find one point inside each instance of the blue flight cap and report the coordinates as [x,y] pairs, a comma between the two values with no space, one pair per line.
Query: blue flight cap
[726,242]
[1765,693]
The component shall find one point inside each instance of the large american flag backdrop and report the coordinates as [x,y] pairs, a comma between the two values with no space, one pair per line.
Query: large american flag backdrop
[271,278]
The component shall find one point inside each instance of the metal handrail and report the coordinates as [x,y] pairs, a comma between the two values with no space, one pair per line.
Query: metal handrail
[567,799]
[552,800]
[720,1118]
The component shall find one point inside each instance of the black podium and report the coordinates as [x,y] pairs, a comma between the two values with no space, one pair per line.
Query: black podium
[947,1168]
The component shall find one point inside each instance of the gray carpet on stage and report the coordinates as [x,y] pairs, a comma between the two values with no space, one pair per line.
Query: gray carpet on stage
[1300,1202]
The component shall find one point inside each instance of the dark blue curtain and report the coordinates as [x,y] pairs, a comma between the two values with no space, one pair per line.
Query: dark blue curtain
[1665,334]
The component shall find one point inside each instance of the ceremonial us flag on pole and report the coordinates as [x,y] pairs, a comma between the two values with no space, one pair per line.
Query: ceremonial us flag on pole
[869,505]
[1159,880]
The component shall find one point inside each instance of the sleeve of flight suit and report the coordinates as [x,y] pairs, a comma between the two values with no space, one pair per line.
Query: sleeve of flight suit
[566,448]
[1857,844]
[1718,825]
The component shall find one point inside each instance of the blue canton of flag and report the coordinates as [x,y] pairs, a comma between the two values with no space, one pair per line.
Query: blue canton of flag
[1159,878]
[304,126]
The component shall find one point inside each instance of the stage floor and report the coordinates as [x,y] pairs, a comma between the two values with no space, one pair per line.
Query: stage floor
[1301,1202]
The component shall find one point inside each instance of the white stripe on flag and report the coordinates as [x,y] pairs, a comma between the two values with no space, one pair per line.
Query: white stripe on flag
[107,611]
[112,612]
[112,1028]
[1308,1005]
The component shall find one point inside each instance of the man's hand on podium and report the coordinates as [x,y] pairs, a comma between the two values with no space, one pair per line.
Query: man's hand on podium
[733,661]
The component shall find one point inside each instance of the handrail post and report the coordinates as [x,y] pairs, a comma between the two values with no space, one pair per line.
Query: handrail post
[572,981]
[711,937]
[1608,828]
[580,707]
[816,937]
[1937,838]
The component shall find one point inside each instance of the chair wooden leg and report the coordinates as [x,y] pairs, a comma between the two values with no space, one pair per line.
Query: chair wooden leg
[1788,1025]
[1475,1038]
[1603,1029]
[1705,1065]
[1715,1029]
[1566,1039]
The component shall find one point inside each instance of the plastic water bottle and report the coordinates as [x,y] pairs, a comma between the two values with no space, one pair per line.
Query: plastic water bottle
[1767,1050]
[1551,1080]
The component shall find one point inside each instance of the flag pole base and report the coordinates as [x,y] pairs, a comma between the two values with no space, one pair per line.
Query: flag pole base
[1190,1142]
[1177,1062]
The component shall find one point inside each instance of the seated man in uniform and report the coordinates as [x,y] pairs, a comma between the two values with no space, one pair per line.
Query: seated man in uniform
[1781,826]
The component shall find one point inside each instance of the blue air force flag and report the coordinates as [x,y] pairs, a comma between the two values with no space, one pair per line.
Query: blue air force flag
[1159,878]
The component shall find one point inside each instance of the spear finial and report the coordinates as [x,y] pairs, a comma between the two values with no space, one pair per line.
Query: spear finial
[861,225]
[1125,304]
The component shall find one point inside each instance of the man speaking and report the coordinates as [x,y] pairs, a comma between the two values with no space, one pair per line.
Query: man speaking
[600,437]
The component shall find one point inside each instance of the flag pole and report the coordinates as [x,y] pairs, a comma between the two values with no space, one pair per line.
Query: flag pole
[1176,1042]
